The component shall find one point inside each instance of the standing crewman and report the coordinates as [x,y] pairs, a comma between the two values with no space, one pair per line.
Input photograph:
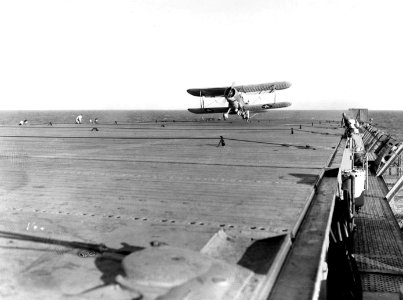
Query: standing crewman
[79,119]
[221,142]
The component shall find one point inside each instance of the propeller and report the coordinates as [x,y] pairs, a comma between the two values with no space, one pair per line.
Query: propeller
[231,91]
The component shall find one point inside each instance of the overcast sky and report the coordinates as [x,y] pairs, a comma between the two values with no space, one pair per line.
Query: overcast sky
[94,54]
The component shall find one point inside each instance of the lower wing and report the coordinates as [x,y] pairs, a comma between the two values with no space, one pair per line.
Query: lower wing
[253,108]
[265,107]
[209,110]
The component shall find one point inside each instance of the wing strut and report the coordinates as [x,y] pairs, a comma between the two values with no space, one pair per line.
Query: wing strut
[201,100]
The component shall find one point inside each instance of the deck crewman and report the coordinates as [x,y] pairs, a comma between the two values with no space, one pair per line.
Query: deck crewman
[79,119]
[221,142]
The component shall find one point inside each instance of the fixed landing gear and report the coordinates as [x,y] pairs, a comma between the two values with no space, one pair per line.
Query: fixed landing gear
[244,114]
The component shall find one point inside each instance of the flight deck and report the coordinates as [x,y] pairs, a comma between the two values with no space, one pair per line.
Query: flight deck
[163,209]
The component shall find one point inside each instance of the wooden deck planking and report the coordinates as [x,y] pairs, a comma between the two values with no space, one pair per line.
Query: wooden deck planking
[95,170]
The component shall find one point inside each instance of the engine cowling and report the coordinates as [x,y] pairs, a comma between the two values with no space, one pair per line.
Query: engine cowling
[231,94]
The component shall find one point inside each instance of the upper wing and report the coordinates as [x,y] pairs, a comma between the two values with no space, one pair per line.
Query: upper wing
[251,88]
[209,92]
[262,87]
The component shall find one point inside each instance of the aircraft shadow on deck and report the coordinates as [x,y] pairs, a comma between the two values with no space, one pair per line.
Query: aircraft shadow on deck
[109,266]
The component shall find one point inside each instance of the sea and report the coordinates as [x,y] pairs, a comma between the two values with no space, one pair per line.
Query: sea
[386,120]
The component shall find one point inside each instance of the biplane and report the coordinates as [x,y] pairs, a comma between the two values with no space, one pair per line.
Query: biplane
[235,98]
